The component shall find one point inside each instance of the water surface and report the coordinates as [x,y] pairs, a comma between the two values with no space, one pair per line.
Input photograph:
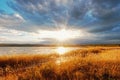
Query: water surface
[33,50]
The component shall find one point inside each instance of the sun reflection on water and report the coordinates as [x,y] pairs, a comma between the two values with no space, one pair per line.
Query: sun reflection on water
[62,50]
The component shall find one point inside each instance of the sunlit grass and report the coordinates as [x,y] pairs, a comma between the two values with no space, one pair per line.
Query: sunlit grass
[93,63]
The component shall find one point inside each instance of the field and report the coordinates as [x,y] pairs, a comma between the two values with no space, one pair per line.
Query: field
[90,63]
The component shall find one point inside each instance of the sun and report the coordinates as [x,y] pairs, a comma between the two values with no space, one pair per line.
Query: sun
[62,35]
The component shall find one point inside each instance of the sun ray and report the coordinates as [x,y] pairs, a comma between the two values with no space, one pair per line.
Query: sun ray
[60,35]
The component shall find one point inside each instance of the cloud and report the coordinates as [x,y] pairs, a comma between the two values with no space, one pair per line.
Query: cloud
[15,36]
[90,14]
[100,18]
[42,12]
[10,20]
[16,22]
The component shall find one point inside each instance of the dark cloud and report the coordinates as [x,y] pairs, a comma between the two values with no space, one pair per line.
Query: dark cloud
[78,12]
[41,12]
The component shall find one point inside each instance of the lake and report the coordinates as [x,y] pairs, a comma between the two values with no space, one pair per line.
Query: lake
[35,50]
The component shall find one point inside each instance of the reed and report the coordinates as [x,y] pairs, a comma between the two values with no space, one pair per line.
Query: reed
[99,63]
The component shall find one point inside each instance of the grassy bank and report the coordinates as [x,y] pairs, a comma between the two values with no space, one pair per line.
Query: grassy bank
[91,63]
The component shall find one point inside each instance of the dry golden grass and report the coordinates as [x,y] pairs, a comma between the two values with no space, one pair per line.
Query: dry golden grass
[92,63]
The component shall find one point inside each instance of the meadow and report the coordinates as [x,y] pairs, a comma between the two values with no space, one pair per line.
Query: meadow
[90,63]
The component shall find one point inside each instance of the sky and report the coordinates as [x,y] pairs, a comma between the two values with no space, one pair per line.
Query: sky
[39,21]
